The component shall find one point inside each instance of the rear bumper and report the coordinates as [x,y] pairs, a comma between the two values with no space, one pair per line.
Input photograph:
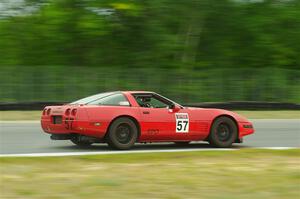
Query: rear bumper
[49,127]
[72,126]
[245,128]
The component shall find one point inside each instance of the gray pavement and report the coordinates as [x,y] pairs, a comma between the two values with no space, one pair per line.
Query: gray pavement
[28,137]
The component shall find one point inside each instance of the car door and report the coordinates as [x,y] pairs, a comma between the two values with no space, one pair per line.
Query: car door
[160,123]
[157,123]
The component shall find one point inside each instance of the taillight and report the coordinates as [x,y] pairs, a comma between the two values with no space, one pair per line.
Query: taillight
[74,111]
[48,111]
[68,111]
[44,111]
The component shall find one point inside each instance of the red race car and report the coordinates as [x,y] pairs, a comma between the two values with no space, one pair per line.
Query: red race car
[122,118]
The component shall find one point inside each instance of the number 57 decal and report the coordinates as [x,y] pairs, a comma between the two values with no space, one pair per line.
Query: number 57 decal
[182,122]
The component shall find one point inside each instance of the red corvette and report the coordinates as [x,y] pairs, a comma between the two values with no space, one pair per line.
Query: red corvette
[123,118]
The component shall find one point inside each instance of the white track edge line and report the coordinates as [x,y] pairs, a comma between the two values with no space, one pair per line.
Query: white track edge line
[61,154]
[105,152]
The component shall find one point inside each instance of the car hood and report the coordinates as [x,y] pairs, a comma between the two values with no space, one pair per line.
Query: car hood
[217,112]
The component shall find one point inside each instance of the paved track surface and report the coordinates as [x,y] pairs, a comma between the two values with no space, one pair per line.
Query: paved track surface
[28,137]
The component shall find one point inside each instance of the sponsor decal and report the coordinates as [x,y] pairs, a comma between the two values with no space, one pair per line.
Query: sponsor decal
[182,122]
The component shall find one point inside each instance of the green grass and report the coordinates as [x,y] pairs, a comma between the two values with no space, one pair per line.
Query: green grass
[20,115]
[249,173]
[283,114]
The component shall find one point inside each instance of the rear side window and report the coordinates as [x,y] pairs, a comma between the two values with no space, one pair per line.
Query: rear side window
[92,98]
[113,100]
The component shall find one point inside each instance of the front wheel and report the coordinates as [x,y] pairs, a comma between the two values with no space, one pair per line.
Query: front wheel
[223,132]
[122,134]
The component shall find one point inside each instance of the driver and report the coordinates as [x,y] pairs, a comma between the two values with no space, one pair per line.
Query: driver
[144,102]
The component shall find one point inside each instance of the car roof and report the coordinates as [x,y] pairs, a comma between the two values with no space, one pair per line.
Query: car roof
[131,92]
[138,92]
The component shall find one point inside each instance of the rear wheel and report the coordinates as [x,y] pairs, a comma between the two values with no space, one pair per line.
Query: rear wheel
[81,143]
[223,132]
[122,134]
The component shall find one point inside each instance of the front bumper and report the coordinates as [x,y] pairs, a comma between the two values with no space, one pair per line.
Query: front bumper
[245,128]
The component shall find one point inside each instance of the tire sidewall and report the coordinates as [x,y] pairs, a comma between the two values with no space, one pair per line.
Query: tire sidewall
[213,137]
[111,138]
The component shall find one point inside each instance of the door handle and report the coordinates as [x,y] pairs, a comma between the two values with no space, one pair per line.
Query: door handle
[146,112]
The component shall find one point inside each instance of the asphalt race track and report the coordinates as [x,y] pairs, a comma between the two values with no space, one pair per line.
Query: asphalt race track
[28,137]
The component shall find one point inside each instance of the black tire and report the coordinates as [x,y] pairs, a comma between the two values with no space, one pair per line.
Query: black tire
[182,143]
[223,132]
[76,140]
[122,134]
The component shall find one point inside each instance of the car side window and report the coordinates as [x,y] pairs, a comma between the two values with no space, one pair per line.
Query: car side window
[150,102]
[113,100]
[155,103]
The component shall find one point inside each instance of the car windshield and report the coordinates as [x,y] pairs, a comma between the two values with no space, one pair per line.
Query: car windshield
[89,99]
[169,100]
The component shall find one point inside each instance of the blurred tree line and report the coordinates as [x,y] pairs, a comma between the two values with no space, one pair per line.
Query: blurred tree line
[190,50]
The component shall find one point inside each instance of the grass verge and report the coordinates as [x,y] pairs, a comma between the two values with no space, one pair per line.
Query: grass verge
[20,115]
[249,173]
[283,114]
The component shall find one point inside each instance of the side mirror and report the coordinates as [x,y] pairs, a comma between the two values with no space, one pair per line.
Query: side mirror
[171,106]
[174,107]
